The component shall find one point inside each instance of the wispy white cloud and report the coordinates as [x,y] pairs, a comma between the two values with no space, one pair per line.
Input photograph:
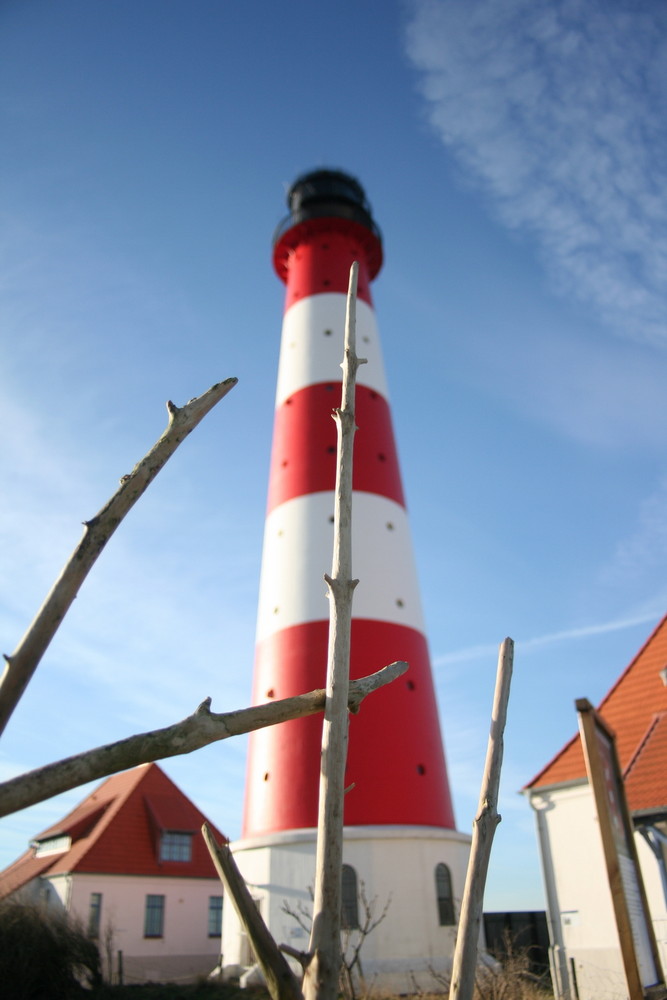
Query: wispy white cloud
[557,110]
[549,639]
[644,551]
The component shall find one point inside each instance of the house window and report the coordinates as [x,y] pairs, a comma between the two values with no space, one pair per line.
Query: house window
[350,905]
[214,916]
[154,917]
[443,891]
[175,846]
[94,914]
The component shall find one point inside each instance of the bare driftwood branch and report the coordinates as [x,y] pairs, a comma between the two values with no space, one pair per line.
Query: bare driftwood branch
[323,971]
[281,981]
[484,828]
[323,962]
[302,957]
[197,730]
[21,665]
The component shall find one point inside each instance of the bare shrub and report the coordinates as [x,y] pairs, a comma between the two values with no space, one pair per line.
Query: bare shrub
[352,981]
[511,977]
[506,976]
[44,954]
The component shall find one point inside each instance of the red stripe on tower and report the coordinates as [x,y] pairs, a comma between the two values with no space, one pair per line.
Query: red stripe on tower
[396,761]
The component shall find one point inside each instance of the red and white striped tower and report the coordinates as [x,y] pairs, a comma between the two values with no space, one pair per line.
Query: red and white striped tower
[396,762]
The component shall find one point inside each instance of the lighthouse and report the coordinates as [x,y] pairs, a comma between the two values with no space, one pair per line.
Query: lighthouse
[401,848]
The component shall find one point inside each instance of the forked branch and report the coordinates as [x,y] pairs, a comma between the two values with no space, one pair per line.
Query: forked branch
[21,665]
[197,730]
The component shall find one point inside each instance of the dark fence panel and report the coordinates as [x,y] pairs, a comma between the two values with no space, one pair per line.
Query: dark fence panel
[521,932]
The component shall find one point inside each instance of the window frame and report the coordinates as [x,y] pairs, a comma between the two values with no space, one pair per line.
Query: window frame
[215,908]
[349,908]
[444,895]
[94,915]
[154,915]
[176,845]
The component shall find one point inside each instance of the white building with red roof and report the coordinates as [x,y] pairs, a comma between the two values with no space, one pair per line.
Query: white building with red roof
[131,863]
[585,952]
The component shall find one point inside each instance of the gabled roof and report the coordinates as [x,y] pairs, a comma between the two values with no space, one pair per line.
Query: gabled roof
[636,710]
[116,831]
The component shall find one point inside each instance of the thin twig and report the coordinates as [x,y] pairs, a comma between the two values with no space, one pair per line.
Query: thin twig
[21,665]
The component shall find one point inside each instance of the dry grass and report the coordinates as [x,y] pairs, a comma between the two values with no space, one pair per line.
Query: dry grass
[511,981]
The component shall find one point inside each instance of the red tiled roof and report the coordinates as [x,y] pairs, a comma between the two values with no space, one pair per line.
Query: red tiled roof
[628,709]
[114,832]
[80,821]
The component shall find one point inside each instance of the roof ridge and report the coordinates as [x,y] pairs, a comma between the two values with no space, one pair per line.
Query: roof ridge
[96,799]
[640,652]
[656,719]
[112,809]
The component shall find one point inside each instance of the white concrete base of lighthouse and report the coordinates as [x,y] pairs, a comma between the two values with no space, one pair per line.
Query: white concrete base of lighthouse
[398,865]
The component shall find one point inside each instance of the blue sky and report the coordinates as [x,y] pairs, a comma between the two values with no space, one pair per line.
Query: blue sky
[514,154]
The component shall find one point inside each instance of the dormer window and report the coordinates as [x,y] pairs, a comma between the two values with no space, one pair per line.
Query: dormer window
[52,845]
[175,846]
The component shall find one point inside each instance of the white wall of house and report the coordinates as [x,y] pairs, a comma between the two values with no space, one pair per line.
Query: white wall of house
[39,892]
[656,894]
[185,949]
[395,863]
[580,910]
